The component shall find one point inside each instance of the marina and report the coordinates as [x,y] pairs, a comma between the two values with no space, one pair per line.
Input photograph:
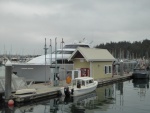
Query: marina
[107,97]
[74,56]
[86,71]
[77,84]
[47,90]
[124,97]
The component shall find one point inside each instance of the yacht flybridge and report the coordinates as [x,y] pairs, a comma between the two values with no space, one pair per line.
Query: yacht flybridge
[39,70]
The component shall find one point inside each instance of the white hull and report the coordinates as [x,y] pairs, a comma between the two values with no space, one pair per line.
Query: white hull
[83,90]
[37,72]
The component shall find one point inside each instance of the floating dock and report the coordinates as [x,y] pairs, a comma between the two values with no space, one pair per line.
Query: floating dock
[42,91]
[47,90]
[113,79]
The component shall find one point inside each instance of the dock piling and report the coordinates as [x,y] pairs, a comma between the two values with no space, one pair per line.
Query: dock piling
[121,68]
[8,72]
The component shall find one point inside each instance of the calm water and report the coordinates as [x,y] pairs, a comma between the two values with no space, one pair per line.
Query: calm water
[123,97]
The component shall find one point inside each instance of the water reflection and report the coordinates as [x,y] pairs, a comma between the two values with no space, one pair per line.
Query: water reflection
[142,85]
[103,96]
[82,104]
[119,97]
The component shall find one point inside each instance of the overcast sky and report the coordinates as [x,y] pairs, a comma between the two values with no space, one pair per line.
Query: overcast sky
[24,24]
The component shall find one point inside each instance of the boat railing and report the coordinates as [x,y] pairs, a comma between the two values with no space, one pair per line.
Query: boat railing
[17,83]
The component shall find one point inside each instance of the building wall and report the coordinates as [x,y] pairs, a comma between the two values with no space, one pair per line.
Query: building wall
[98,69]
[81,63]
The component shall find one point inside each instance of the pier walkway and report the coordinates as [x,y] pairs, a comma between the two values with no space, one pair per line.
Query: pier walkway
[47,89]
[103,81]
[115,78]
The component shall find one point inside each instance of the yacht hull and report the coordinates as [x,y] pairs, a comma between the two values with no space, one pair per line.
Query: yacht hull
[40,73]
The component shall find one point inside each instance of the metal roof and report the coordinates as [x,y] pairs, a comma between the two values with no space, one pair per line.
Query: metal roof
[93,54]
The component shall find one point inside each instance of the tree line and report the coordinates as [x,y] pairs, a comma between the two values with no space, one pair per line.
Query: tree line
[128,50]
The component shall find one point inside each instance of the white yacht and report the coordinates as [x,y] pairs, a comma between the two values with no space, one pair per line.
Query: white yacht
[40,71]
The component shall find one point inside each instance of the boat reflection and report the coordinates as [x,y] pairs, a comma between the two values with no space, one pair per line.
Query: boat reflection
[142,85]
[79,103]
[99,99]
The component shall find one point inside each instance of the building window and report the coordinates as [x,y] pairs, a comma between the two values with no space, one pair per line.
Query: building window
[108,69]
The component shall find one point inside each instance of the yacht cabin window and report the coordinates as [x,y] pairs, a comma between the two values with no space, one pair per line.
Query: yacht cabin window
[75,46]
[63,52]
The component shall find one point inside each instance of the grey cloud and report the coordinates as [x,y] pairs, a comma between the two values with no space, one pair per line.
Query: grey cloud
[99,20]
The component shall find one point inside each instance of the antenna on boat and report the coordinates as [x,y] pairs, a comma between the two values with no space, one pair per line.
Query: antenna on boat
[81,40]
[45,50]
[55,62]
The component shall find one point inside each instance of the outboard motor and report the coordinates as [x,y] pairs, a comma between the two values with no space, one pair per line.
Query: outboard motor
[66,91]
[72,91]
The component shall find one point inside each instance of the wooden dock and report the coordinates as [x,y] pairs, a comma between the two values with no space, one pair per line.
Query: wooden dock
[46,90]
[113,79]
[42,91]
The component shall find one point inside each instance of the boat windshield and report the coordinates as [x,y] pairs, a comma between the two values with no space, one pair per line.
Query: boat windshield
[91,81]
[75,46]
[74,82]
[63,52]
[83,83]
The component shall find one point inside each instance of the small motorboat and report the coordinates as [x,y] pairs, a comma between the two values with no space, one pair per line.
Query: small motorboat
[140,73]
[80,86]
[141,70]
[25,91]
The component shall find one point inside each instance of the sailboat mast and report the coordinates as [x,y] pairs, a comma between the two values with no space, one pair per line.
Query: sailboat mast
[45,50]
[55,62]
